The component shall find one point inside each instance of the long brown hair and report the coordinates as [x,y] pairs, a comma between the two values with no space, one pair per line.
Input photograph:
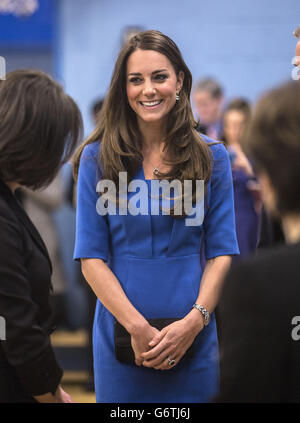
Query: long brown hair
[190,156]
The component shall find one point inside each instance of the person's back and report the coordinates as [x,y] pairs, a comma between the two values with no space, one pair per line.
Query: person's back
[263,295]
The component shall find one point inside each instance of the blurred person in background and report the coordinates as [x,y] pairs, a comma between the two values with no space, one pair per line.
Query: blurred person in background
[208,100]
[246,194]
[128,32]
[96,108]
[39,128]
[296,61]
[89,293]
[271,232]
[259,309]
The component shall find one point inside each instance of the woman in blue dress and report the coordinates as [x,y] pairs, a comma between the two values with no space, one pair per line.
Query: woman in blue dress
[146,265]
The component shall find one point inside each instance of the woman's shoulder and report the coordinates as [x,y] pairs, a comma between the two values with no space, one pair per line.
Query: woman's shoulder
[91,150]
[266,267]
[89,160]
[5,210]
[217,148]
[8,217]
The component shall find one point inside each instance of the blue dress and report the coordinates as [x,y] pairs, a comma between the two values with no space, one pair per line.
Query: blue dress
[157,262]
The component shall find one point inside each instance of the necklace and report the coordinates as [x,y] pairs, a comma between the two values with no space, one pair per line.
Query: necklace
[155,170]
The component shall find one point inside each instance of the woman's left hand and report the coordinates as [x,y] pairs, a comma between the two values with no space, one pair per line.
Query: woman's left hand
[172,342]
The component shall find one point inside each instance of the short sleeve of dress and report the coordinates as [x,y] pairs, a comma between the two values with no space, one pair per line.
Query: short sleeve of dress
[219,221]
[92,235]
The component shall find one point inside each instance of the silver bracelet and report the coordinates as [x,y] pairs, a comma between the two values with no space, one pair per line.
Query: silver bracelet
[204,312]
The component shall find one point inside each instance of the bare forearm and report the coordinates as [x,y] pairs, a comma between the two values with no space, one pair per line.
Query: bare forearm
[211,285]
[212,282]
[109,291]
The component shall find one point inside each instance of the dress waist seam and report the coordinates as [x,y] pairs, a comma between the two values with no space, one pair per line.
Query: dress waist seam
[128,257]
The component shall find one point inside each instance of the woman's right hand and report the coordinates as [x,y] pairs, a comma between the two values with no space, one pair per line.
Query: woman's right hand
[140,341]
[241,161]
[60,396]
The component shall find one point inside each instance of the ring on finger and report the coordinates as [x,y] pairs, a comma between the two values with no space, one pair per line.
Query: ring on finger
[171,362]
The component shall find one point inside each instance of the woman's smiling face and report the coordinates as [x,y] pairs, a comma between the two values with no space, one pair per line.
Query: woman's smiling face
[152,85]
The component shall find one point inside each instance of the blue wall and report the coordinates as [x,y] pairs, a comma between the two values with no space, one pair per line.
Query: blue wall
[27,42]
[32,31]
[246,44]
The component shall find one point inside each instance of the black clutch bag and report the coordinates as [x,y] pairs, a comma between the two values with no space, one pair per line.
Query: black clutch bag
[123,349]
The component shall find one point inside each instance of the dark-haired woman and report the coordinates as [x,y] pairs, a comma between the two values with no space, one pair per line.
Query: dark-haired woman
[146,265]
[39,128]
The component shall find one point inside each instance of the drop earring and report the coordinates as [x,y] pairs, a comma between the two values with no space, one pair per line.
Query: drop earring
[177,97]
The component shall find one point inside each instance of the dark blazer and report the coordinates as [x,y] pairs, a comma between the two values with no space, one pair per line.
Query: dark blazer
[260,360]
[28,366]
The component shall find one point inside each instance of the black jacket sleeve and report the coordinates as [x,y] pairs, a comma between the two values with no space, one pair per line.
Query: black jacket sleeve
[27,346]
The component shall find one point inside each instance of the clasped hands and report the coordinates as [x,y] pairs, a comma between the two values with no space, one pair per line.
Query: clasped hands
[154,348]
